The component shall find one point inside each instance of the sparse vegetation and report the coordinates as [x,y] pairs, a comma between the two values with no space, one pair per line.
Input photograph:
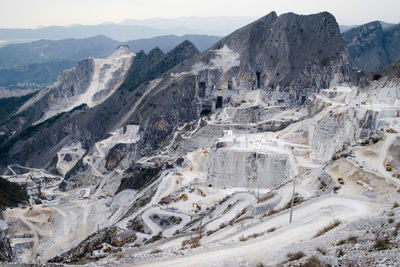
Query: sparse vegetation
[390,220]
[313,261]
[154,238]
[327,228]
[11,194]
[350,239]
[272,229]
[395,205]
[193,242]
[242,238]
[295,256]
[155,251]
[321,250]
[210,232]
[340,252]
[381,243]
[396,229]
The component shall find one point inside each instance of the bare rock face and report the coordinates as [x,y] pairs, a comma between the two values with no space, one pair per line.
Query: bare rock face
[88,126]
[90,82]
[372,48]
[6,254]
[290,57]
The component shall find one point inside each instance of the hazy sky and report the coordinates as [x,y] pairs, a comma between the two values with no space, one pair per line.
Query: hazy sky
[32,13]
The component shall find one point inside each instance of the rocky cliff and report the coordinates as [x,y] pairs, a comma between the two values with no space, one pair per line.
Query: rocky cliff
[38,145]
[290,57]
[371,47]
[90,82]
[6,254]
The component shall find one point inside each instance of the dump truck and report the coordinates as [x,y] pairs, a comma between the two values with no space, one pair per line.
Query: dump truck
[388,167]
[197,206]
[123,238]
[340,180]
[265,198]
[184,197]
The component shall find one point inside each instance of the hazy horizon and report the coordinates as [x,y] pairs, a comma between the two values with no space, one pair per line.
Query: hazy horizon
[43,13]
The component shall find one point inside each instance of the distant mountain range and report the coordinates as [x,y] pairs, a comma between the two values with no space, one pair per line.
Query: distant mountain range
[37,64]
[130,29]
[373,46]
[344,28]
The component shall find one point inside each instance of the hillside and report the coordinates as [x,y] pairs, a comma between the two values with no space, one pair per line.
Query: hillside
[372,47]
[11,194]
[267,149]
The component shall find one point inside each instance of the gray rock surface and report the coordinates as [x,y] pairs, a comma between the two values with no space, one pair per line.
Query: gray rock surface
[6,254]
[290,57]
[371,47]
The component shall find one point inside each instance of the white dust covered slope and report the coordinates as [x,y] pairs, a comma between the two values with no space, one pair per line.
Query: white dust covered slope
[90,82]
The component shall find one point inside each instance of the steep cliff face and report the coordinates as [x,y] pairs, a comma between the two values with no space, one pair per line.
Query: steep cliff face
[289,57]
[371,47]
[6,254]
[88,126]
[90,82]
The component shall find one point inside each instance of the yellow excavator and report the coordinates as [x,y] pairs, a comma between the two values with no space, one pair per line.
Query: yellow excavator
[396,175]
[340,180]
[388,167]
[390,130]
[201,192]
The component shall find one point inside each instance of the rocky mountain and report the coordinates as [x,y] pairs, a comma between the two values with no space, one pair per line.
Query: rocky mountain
[36,65]
[297,63]
[43,51]
[168,42]
[344,28]
[51,51]
[198,158]
[115,31]
[33,76]
[371,47]
[6,253]
[90,82]
[88,126]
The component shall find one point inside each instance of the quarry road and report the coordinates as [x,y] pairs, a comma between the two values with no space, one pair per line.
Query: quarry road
[309,218]
[155,228]
[19,214]
[229,209]
[379,161]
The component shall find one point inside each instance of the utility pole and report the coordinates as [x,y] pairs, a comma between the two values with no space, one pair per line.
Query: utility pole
[200,227]
[291,205]
[247,173]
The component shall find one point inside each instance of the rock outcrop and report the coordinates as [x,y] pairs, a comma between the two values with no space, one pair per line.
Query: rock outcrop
[39,144]
[290,57]
[6,254]
[371,47]
[90,82]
